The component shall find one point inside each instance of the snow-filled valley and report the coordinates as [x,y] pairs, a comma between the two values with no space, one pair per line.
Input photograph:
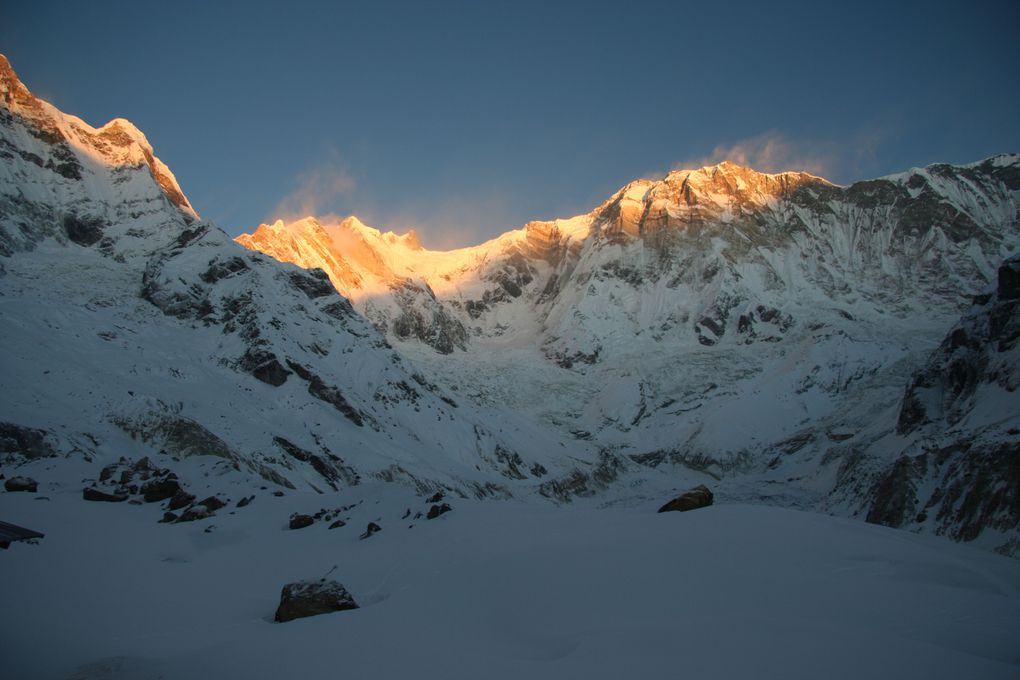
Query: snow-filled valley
[193,423]
[501,589]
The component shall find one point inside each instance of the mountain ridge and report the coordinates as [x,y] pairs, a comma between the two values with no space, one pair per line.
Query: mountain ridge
[756,332]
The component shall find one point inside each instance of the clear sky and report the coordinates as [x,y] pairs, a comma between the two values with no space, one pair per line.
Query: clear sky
[465,119]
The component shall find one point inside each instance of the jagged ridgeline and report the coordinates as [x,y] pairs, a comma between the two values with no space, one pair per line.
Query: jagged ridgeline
[777,336]
[133,327]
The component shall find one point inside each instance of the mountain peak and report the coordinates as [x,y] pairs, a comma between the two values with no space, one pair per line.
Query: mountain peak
[66,140]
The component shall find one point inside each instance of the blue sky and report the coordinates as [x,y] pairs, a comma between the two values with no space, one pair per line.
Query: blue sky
[465,119]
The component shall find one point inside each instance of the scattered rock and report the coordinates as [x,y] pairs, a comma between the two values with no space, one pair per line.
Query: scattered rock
[437,510]
[245,501]
[91,493]
[298,521]
[168,517]
[311,598]
[21,484]
[698,497]
[436,497]
[372,528]
[337,524]
[278,494]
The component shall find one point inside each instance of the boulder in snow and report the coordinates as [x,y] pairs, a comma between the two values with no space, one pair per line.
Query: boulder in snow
[311,598]
[21,484]
[91,493]
[698,497]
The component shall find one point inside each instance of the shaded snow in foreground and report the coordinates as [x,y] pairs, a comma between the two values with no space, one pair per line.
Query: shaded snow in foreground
[498,590]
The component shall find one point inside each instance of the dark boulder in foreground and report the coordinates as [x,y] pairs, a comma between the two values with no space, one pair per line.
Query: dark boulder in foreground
[698,497]
[298,521]
[21,484]
[372,528]
[311,598]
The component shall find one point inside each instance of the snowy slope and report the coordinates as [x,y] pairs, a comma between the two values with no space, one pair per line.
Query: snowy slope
[499,590]
[756,327]
[131,327]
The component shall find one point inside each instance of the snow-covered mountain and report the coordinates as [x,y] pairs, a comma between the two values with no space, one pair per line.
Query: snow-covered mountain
[753,326]
[789,342]
[132,327]
[756,331]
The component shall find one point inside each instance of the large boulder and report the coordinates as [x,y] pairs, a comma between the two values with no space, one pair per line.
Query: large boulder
[311,598]
[91,493]
[698,497]
[161,489]
[21,484]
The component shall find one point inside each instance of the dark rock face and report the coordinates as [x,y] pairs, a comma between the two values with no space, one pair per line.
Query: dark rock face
[222,269]
[245,501]
[327,393]
[311,598]
[179,436]
[24,441]
[85,231]
[329,466]
[372,528]
[698,497]
[975,487]
[974,353]
[298,521]
[21,484]
[426,318]
[272,373]
[91,493]
[896,493]
[312,282]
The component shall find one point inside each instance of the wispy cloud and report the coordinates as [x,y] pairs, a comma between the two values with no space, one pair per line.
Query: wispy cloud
[456,222]
[775,151]
[317,190]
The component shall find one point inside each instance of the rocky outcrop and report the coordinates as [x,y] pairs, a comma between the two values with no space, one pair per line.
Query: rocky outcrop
[312,598]
[299,521]
[956,472]
[979,353]
[17,442]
